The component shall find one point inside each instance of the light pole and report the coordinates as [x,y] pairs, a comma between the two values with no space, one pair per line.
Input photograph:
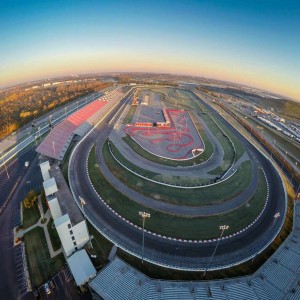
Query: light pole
[283,161]
[294,169]
[5,166]
[144,215]
[53,145]
[261,137]
[66,112]
[50,120]
[222,228]
[272,149]
[39,133]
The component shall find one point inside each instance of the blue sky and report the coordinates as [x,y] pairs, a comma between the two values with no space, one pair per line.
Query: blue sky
[251,42]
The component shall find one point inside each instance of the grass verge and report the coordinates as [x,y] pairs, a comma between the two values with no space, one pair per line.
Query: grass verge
[196,197]
[101,247]
[176,226]
[130,114]
[246,268]
[41,266]
[30,215]
[55,240]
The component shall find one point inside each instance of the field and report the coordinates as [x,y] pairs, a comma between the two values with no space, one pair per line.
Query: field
[196,197]
[189,228]
[40,265]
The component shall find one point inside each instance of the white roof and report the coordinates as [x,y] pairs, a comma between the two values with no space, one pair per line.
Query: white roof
[50,186]
[62,220]
[81,267]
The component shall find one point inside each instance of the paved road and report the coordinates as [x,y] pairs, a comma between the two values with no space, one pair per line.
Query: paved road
[169,252]
[9,282]
[185,210]
[12,145]
[200,170]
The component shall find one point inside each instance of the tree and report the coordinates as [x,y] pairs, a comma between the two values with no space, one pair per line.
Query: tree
[30,199]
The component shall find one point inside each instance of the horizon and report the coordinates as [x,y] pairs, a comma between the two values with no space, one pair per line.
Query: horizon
[284,97]
[253,44]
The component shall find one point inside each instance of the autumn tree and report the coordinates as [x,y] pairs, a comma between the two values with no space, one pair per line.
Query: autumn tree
[30,199]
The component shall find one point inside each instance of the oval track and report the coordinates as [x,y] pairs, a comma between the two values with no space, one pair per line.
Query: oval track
[170,253]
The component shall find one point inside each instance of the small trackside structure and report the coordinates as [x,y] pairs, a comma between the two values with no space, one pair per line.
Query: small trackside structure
[81,267]
[68,220]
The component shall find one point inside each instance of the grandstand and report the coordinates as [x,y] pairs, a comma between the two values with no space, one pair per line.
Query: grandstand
[278,278]
[58,140]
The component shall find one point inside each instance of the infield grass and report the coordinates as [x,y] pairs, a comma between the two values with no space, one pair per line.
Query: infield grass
[130,114]
[177,226]
[193,196]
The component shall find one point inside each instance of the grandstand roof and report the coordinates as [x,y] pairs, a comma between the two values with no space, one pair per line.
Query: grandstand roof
[57,142]
[278,278]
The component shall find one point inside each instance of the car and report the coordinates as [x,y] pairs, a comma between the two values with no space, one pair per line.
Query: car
[47,288]
[26,164]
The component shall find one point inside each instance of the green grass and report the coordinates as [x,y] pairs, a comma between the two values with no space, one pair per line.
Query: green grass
[101,247]
[177,97]
[145,154]
[41,266]
[176,226]
[44,202]
[208,150]
[129,164]
[130,114]
[196,197]
[55,240]
[179,180]
[246,268]
[30,215]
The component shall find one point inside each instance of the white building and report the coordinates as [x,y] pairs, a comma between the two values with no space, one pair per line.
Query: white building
[68,220]
[81,267]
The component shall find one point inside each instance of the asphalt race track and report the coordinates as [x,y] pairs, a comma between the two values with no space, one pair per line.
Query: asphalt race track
[171,253]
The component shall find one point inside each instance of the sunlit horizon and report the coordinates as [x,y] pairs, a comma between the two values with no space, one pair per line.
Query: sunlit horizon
[254,44]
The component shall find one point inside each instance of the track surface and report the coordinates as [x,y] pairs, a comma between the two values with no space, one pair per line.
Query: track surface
[168,252]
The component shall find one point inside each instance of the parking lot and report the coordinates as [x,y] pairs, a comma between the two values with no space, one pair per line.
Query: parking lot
[17,217]
[62,286]
[20,269]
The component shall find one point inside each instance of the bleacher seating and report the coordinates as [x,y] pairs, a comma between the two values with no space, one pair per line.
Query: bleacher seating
[277,279]
[273,273]
[218,293]
[58,140]
[240,291]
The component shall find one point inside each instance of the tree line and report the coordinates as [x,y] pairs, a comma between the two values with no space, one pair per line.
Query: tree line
[21,106]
